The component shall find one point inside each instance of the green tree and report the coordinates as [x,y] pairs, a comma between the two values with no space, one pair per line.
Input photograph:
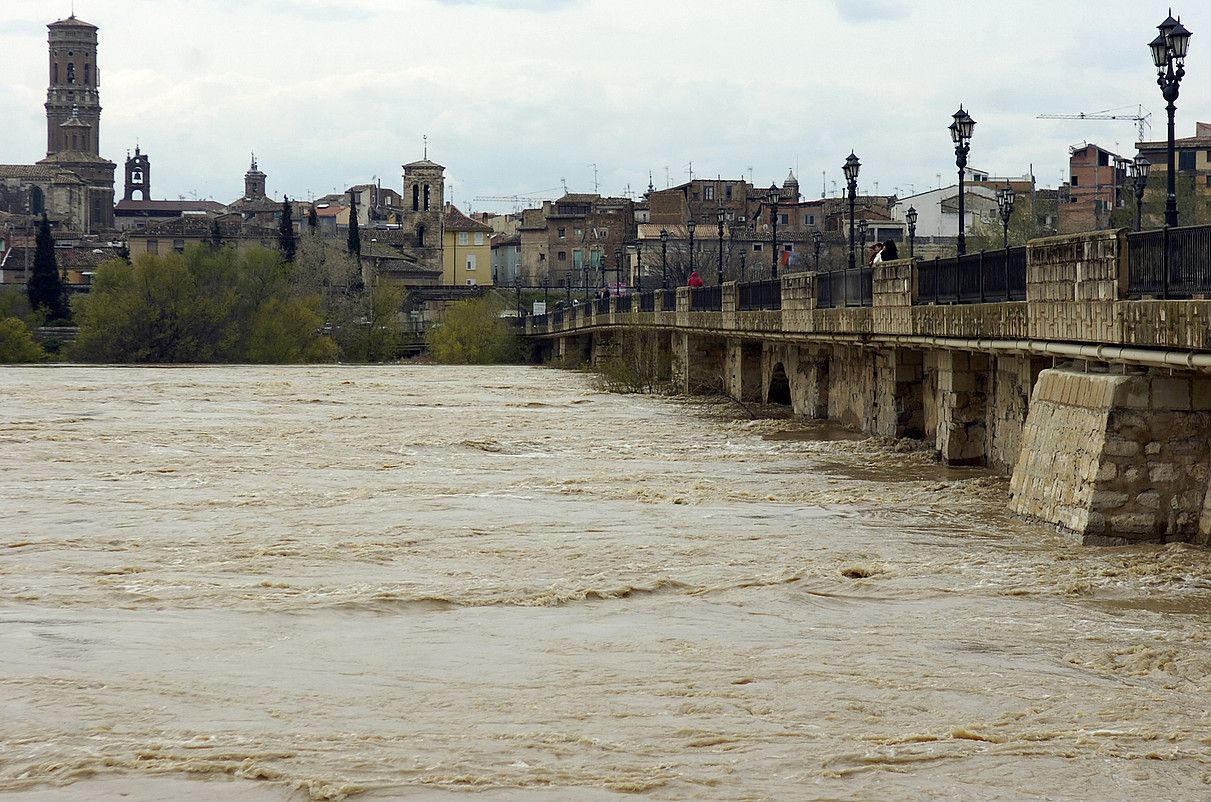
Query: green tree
[45,288]
[354,241]
[281,333]
[313,219]
[17,343]
[474,333]
[286,239]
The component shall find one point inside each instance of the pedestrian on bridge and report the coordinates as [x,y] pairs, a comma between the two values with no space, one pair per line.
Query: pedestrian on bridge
[695,279]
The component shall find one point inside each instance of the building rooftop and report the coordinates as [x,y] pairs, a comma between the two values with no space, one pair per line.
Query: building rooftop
[457,221]
[72,22]
[168,206]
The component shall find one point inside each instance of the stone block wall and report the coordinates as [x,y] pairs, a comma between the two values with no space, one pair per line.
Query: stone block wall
[1012,382]
[1116,458]
[1077,267]
[894,283]
[743,371]
[960,384]
[898,406]
[851,387]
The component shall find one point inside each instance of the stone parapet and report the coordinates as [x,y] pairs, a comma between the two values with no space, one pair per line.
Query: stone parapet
[1077,267]
[894,283]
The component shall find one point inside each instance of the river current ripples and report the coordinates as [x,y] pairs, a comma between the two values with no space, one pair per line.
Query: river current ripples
[418,582]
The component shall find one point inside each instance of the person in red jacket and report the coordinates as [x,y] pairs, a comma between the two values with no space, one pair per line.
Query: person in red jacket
[695,279]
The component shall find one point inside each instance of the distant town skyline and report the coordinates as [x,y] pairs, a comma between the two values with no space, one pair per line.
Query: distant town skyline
[517,97]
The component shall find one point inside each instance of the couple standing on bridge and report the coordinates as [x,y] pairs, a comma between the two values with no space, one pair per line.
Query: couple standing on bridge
[883,252]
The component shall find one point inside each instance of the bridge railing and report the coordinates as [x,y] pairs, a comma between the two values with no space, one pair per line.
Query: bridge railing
[622,303]
[601,306]
[839,288]
[976,278]
[761,295]
[668,301]
[647,301]
[1169,262]
[706,299]
[556,317]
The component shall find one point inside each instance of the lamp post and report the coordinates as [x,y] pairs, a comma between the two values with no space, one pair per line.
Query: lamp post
[719,219]
[1005,199]
[664,258]
[1139,172]
[1169,50]
[773,198]
[567,282]
[690,226]
[638,277]
[863,226]
[546,291]
[617,269]
[911,217]
[960,133]
[817,238]
[851,182]
[731,244]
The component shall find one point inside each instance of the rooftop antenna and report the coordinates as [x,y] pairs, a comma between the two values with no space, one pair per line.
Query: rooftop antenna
[750,174]
[667,182]
[651,188]
[824,184]
[594,166]
[425,146]
[691,170]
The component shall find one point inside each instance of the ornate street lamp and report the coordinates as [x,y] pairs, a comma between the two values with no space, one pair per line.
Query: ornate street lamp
[863,227]
[719,219]
[617,269]
[664,258]
[911,217]
[960,133]
[851,182]
[1169,50]
[773,204]
[1005,199]
[1139,172]
[817,238]
[691,226]
[567,282]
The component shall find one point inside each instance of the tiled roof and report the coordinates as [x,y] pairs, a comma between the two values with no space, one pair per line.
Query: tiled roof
[457,221]
[168,206]
[26,171]
[198,226]
[71,157]
[254,205]
[423,163]
[71,22]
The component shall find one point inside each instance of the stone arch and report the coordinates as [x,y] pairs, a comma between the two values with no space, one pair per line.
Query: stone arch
[37,201]
[779,390]
[420,236]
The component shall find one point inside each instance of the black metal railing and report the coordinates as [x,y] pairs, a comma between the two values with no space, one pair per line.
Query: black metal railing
[539,320]
[622,303]
[760,295]
[706,299]
[557,317]
[647,302]
[976,278]
[668,301]
[603,306]
[1169,262]
[845,288]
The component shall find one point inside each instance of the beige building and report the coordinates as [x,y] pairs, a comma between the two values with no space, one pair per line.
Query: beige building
[467,250]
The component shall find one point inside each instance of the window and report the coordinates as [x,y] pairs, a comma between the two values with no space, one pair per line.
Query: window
[727,192]
[471,282]
[464,238]
[178,245]
[756,247]
[708,193]
[1185,160]
[479,238]
[427,197]
[471,264]
[420,230]
[563,256]
[783,219]
[809,219]
[153,246]
[71,73]
[577,233]
[1076,181]
[563,233]
[416,198]
[87,73]
[542,257]
[54,73]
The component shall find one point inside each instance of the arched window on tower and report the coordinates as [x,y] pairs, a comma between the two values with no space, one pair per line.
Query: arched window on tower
[87,73]
[54,73]
[71,73]
[426,197]
[416,197]
[420,236]
[37,202]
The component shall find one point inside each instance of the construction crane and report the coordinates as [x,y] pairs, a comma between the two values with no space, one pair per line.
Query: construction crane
[1140,118]
[519,201]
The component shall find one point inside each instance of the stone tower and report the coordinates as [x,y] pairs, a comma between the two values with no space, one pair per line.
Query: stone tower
[73,88]
[424,210]
[73,119]
[254,182]
[790,189]
[138,176]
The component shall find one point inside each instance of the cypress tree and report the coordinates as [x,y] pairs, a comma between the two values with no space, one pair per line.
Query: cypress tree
[216,235]
[313,219]
[286,239]
[45,288]
[354,241]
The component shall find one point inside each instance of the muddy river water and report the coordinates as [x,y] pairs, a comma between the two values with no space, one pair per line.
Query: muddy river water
[500,583]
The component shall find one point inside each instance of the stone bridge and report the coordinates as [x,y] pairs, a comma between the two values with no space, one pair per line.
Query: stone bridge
[1097,403]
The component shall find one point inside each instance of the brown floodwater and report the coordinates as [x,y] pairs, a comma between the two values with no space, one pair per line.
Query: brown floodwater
[417,582]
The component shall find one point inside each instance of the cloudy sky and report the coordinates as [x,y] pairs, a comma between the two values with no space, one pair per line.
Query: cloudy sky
[519,96]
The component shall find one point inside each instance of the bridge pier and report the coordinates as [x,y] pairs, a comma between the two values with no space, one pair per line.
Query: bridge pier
[745,374]
[955,405]
[574,349]
[698,363]
[1117,458]
[898,402]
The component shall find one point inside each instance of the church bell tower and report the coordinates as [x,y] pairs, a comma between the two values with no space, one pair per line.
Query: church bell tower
[72,95]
